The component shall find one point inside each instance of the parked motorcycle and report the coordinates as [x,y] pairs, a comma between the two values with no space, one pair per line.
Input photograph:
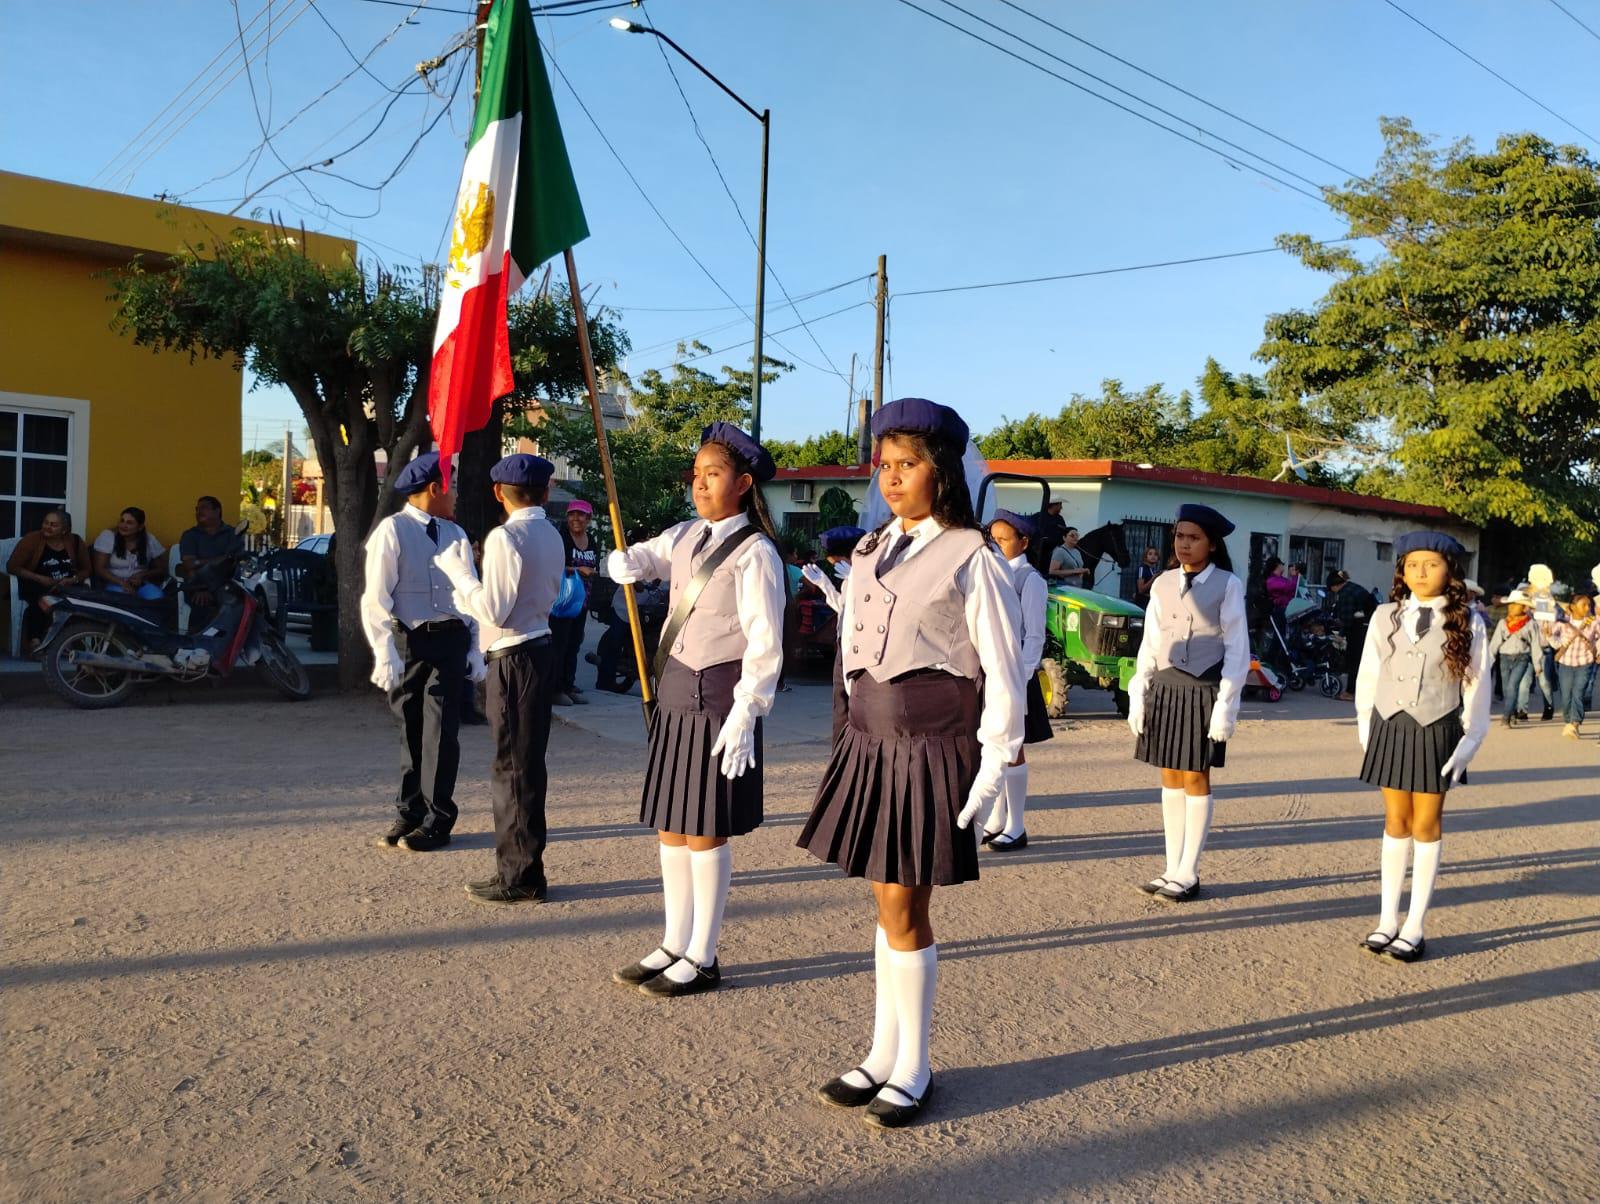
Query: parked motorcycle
[102,644]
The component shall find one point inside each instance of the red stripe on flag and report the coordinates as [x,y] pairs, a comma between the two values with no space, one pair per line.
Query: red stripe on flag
[471,368]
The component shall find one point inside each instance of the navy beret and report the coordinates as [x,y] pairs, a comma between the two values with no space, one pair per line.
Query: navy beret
[418,475]
[1020,523]
[838,541]
[523,470]
[1208,520]
[1427,541]
[921,416]
[747,449]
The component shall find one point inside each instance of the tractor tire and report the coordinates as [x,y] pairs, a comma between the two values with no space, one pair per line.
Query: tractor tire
[1053,684]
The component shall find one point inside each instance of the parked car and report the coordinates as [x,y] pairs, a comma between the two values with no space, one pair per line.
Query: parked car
[320,544]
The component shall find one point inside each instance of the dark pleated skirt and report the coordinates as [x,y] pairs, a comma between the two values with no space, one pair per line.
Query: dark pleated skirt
[899,775]
[1404,755]
[1036,727]
[1177,718]
[841,700]
[684,790]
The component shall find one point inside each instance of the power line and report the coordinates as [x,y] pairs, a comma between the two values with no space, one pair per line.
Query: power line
[743,342]
[1588,29]
[1161,79]
[1519,91]
[712,309]
[1229,159]
[558,8]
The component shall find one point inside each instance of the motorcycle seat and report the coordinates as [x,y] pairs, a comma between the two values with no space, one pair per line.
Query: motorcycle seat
[162,610]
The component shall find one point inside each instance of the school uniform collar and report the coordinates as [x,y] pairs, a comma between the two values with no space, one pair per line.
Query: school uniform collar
[1414,603]
[417,514]
[1202,576]
[1017,562]
[924,530]
[525,515]
[722,527]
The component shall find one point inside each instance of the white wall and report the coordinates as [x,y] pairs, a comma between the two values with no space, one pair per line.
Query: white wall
[1362,531]
[780,506]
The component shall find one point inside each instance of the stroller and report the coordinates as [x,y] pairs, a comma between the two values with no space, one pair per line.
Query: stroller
[1315,655]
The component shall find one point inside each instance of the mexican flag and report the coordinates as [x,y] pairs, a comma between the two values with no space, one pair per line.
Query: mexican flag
[516,207]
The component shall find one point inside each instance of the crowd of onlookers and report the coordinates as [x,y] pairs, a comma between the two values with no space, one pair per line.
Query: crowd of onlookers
[124,559]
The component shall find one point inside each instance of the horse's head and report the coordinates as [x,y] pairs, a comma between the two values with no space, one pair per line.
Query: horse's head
[1118,549]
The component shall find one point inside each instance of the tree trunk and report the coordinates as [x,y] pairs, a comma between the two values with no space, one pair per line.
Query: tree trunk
[356,501]
[476,509]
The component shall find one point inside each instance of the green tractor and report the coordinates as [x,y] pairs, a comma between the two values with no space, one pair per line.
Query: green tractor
[1092,639]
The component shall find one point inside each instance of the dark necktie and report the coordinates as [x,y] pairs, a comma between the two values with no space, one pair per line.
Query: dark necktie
[1188,582]
[699,545]
[892,556]
[1424,620]
[433,531]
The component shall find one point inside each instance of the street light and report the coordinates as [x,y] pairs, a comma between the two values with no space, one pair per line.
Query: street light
[765,118]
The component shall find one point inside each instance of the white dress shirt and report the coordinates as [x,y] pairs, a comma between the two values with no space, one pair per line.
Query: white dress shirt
[759,594]
[1035,598]
[1477,696]
[490,600]
[383,572]
[994,625]
[1235,652]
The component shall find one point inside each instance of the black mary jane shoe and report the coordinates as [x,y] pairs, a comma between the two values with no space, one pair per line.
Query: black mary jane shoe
[840,1094]
[1411,953]
[1008,844]
[988,837]
[1376,941]
[1173,893]
[706,978]
[883,1114]
[638,973]
[1153,886]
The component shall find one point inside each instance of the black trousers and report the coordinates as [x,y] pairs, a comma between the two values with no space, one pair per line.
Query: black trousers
[427,703]
[521,685]
[568,638]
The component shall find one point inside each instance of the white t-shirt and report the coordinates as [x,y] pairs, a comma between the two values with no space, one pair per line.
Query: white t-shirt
[123,567]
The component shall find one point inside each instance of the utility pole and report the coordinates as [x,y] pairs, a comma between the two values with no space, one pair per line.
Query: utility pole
[850,406]
[864,442]
[284,498]
[481,27]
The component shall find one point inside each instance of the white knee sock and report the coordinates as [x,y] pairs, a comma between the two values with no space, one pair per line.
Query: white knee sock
[1196,825]
[1424,869]
[1396,850]
[1015,792]
[1172,814]
[915,972]
[995,823]
[711,870]
[678,900]
[879,1062]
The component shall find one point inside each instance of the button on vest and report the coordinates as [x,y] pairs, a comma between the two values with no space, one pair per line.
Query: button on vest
[422,593]
[915,618]
[1413,677]
[1191,623]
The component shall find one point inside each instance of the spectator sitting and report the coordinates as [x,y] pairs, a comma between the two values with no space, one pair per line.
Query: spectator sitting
[43,560]
[1066,562]
[207,552]
[128,559]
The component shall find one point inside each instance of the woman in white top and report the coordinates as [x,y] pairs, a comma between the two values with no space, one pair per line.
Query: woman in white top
[128,559]
[1424,666]
[720,675]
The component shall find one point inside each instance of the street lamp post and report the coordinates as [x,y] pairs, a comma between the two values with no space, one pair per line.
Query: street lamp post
[765,118]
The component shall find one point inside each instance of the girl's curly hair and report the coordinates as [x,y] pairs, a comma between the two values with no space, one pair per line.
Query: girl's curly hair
[1457,616]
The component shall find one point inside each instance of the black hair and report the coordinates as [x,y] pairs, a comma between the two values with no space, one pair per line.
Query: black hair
[952,501]
[141,553]
[518,495]
[1337,578]
[754,504]
[1068,531]
[1273,562]
[206,497]
[1219,549]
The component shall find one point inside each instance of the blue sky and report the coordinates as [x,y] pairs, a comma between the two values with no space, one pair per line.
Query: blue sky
[891,134]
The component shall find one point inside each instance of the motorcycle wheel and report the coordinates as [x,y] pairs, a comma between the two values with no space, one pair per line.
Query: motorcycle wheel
[282,668]
[90,689]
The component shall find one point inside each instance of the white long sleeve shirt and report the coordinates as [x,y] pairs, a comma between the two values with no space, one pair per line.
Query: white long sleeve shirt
[1035,597]
[1477,695]
[382,575]
[1235,654]
[759,596]
[491,599]
[994,625]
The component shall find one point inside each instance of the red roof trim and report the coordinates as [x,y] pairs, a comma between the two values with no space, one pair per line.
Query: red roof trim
[1122,470]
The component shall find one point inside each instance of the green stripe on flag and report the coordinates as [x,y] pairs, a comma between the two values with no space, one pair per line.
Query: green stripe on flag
[546,216]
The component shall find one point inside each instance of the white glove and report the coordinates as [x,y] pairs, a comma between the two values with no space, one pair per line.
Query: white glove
[814,574]
[626,567]
[736,742]
[1455,768]
[985,790]
[1136,713]
[1364,728]
[454,560]
[1221,730]
[477,670]
[387,671]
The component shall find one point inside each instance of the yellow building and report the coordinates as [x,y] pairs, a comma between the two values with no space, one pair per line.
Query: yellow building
[87,419]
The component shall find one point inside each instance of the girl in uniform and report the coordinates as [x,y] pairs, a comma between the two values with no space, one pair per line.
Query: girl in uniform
[720,676]
[1183,701]
[1424,666]
[930,610]
[1003,831]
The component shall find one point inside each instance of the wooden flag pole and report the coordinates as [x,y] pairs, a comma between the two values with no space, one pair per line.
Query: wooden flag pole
[587,355]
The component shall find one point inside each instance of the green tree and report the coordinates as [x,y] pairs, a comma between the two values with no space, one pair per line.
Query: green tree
[1019,439]
[835,447]
[1118,425]
[1468,347]
[1243,429]
[836,508]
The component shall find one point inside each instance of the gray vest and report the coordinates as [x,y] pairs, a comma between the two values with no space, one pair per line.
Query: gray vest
[713,633]
[1020,576]
[915,618]
[422,593]
[1191,624]
[543,560]
[1412,677]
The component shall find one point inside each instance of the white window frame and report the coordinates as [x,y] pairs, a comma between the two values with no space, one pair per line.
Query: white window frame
[76,410]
